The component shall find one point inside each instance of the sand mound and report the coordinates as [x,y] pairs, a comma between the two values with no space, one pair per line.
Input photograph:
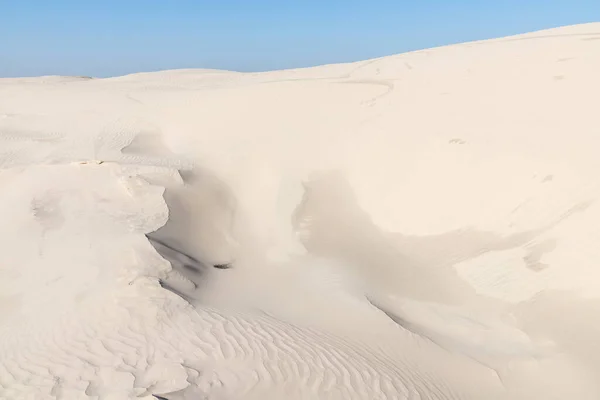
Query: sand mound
[421,226]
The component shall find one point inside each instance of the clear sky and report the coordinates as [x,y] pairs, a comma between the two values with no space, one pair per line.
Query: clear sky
[115,37]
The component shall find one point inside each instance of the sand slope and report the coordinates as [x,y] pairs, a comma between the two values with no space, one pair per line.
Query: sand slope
[420,226]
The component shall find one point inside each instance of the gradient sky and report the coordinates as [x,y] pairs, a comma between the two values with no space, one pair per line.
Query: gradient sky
[116,37]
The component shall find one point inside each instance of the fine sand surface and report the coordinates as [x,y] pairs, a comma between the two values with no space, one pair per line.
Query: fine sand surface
[420,226]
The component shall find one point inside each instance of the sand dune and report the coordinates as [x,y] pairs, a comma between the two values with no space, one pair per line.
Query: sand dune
[420,226]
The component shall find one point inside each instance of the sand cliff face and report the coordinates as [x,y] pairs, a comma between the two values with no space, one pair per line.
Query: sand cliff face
[420,226]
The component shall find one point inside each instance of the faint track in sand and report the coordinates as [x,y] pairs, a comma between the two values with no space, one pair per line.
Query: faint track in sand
[388,84]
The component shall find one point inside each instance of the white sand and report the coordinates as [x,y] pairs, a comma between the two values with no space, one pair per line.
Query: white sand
[421,226]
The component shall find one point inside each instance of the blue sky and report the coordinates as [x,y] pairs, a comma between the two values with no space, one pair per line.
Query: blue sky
[115,37]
